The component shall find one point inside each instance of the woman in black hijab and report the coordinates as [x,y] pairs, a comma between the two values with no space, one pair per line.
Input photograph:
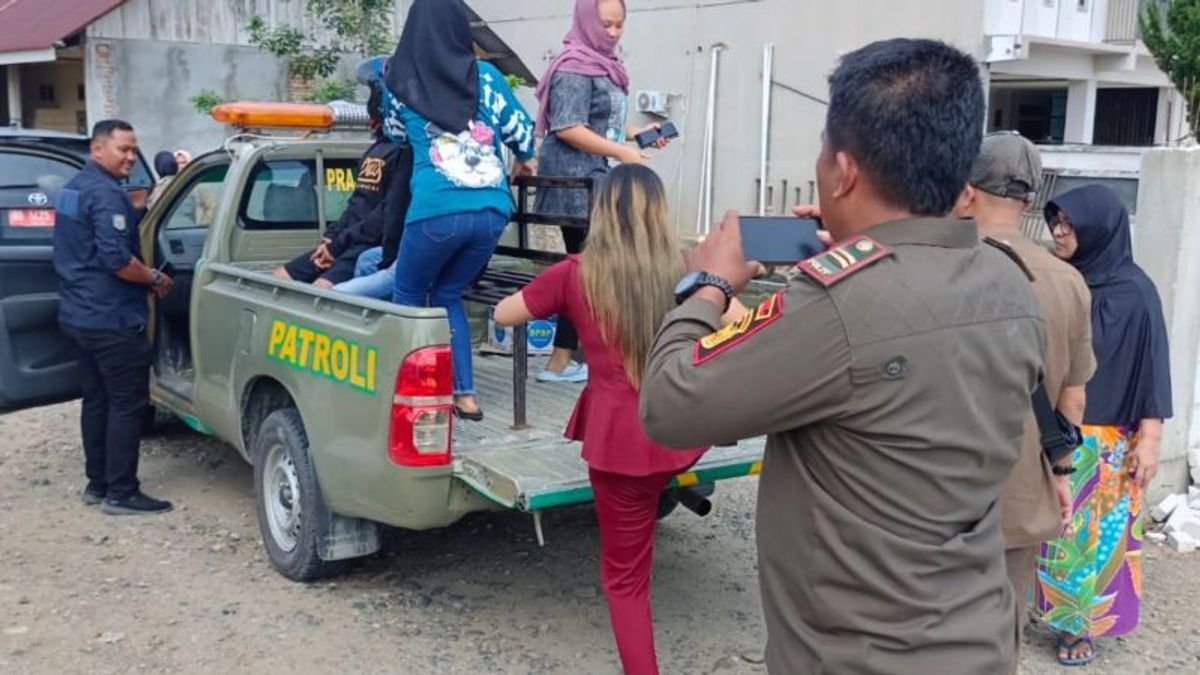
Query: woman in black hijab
[464,123]
[1089,582]
[167,168]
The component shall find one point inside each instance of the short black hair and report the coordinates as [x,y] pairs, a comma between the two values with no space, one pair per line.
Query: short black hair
[911,112]
[107,127]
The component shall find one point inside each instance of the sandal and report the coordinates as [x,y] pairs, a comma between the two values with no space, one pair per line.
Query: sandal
[1069,646]
[476,416]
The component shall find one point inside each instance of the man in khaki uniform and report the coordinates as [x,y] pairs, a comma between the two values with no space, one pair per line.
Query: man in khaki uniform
[1037,500]
[892,377]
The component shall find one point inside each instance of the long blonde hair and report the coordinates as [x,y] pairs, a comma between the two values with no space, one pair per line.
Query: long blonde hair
[631,263]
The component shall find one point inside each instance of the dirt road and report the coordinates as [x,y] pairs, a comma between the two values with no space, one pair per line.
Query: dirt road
[191,592]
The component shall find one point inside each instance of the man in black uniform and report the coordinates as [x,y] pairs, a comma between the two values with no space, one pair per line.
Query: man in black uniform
[367,216]
[104,285]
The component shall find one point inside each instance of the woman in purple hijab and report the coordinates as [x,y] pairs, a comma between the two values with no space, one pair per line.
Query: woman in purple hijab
[1090,579]
[583,99]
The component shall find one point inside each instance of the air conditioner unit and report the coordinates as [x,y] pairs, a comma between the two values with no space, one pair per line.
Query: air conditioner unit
[654,103]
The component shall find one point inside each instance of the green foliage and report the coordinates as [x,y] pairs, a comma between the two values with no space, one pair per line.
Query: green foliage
[1173,38]
[206,100]
[515,82]
[362,27]
[306,60]
[332,90]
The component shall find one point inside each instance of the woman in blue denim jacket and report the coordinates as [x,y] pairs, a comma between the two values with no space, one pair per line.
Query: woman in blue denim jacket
[463,121]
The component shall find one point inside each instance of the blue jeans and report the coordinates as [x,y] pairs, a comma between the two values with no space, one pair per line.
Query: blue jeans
[442,256]
[369,281]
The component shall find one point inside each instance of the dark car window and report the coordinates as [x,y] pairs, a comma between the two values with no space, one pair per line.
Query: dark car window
[282,194]
[19,169]
[80,147]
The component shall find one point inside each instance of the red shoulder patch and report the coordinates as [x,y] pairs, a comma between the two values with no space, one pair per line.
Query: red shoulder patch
[844,259]
[710,346]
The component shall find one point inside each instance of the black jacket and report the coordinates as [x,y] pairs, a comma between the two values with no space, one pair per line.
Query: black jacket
[380,200]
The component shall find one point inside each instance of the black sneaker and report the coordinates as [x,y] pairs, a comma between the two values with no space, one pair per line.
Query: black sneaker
[136,504]
[93,495]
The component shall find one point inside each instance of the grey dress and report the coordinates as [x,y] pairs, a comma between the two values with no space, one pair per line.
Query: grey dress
[578,100]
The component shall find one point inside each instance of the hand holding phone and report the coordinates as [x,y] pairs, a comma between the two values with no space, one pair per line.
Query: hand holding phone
[664,131]
[781,240]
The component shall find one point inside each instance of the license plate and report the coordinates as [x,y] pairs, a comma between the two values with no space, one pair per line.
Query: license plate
[31,218]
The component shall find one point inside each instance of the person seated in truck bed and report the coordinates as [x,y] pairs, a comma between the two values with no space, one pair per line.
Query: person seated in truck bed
[380,196]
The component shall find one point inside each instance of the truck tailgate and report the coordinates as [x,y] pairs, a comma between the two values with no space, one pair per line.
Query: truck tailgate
[536,468]
[537,475]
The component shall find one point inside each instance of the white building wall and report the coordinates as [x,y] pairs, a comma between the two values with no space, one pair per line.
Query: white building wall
[667,48]
[1041,17]
[1075,20]
[1003,17]
[1167,246]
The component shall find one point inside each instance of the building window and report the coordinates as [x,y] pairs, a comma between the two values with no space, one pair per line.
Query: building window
[1126,116]
[1081,5]
[46,93]
[81,94]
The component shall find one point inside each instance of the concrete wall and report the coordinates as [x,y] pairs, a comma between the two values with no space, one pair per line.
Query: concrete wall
[667,48]
[1167,241]
[149,83]
[147,58]
[219,22]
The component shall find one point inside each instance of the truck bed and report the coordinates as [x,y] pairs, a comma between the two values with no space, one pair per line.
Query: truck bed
[536,468]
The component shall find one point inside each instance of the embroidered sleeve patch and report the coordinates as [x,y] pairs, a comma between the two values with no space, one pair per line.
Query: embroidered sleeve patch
[767,313]
[844,259]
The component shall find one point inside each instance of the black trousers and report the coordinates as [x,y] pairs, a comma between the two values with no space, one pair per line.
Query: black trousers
[566,337]
[114,372]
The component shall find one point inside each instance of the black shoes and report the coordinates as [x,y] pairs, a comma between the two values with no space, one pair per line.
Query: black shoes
[93,495]
[136,504]
[461,414]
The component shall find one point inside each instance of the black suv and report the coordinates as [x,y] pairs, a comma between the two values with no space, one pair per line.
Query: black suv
[34,164]
[36,361]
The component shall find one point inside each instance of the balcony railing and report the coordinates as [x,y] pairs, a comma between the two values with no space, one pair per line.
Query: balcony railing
[1123,16]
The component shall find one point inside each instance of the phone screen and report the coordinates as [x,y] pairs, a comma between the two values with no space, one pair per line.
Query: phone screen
[780,240]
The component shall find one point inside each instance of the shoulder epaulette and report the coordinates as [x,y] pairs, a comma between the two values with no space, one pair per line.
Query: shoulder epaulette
[1009,251]
[844,259]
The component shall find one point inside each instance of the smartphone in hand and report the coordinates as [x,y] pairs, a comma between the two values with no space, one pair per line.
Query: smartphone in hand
[780,240]
[652,135]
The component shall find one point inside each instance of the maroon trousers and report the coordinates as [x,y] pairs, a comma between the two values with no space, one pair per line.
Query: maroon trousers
[626,507]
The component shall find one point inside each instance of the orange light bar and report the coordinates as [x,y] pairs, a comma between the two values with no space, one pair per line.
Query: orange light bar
[274,115]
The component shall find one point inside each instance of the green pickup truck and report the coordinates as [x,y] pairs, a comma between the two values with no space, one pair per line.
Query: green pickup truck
[342,404]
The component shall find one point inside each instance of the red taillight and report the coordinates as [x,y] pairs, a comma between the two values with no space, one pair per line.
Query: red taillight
[422,409]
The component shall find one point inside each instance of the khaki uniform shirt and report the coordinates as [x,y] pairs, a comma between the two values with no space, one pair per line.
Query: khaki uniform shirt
[893,394]
[1030,503]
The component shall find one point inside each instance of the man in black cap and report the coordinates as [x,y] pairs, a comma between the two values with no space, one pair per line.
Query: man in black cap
[1036,505]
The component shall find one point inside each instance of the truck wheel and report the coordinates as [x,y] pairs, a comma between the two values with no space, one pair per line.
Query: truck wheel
[290,508]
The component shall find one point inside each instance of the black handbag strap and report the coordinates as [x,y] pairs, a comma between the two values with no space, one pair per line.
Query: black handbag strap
[1059,437]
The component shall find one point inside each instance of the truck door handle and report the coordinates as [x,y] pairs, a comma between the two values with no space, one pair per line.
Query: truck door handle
[176,246]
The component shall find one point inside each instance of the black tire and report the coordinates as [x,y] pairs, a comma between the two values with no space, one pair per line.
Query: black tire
[156,421]
[282,467]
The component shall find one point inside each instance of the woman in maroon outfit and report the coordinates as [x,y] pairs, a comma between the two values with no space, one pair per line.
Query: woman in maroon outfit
[617,293]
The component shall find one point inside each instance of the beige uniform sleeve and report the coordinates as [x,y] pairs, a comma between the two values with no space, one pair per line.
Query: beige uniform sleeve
[783,367]
[1083,361]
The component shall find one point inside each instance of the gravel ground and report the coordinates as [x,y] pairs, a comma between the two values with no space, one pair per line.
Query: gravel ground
[191,591]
